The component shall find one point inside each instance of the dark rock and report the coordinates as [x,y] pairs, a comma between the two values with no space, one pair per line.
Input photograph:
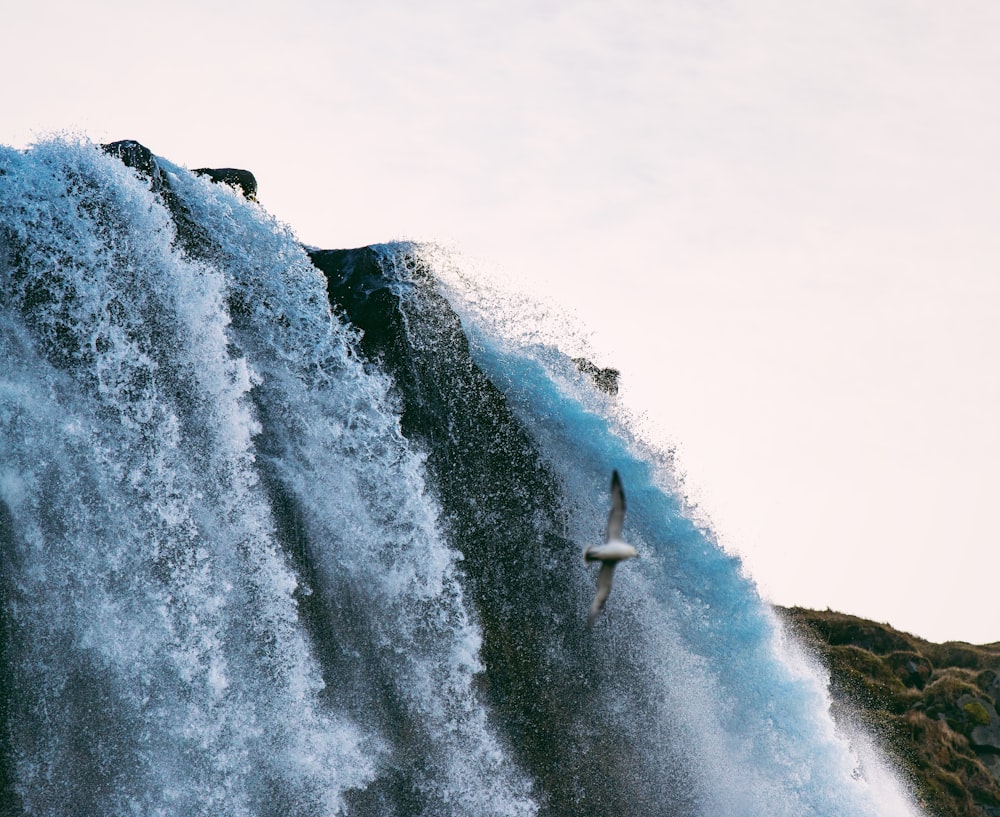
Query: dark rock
[9,800]
[140,158]
[494,488]
[605,379]
[242,180]
[192,236]
[989,682]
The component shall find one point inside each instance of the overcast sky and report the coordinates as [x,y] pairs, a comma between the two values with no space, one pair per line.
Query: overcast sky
[779,218]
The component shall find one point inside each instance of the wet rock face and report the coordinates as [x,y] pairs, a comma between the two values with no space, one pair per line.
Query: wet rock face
[8,797]
[605,379]
[494,489]
[192,236]
[141,159]
[242,180]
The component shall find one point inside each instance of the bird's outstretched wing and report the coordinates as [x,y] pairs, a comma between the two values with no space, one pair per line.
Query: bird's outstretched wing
[616,518]
[603,590]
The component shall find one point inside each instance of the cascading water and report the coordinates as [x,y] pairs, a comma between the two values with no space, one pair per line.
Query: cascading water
[154,456]
[257,562]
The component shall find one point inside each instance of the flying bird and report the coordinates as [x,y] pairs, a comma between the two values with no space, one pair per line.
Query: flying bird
[613,551]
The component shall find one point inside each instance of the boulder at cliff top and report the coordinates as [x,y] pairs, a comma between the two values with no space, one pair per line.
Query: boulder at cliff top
[140,158]
[242,180]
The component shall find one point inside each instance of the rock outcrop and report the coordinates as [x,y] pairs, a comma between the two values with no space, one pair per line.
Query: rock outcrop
[190,234]
[605,379]
[242,180]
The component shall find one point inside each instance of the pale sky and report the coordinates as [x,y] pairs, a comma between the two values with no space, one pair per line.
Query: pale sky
[778,218]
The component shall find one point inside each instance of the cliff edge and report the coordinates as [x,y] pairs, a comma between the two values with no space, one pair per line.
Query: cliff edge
[932,706]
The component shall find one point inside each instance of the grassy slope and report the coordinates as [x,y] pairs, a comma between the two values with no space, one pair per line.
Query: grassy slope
[933,705]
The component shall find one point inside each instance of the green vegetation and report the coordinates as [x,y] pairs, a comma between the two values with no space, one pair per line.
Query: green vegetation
[977,713]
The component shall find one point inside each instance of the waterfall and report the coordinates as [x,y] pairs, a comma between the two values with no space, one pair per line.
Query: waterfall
[299,533]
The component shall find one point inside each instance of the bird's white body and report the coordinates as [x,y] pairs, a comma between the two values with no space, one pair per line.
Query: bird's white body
[613,551]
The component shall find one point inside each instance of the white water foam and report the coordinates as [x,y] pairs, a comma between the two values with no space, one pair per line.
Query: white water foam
[161,663]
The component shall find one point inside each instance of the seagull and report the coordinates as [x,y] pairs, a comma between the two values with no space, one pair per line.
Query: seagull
[613,551]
